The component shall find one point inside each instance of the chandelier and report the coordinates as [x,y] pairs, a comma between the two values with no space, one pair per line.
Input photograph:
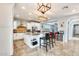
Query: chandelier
[44,7]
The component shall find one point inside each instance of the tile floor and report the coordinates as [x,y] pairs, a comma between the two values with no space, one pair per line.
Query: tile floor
[60,49]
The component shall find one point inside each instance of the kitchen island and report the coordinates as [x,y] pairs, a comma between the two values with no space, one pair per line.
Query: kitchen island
[32,40]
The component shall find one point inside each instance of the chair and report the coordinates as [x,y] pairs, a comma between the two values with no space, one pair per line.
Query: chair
[56,35]
[60,36]
[52,38]
[46,41]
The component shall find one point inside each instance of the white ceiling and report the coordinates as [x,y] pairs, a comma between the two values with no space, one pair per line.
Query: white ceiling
[28,11]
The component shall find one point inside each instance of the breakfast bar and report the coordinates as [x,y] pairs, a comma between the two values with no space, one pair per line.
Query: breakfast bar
[32,40]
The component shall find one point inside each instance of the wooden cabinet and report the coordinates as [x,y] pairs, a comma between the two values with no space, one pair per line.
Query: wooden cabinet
[20,29]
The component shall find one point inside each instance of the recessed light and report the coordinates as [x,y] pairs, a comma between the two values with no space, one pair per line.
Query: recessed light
[23,7]
[73,10]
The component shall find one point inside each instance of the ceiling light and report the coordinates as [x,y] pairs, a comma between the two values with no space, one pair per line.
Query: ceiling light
[44,7]
[73,10]
[23,7]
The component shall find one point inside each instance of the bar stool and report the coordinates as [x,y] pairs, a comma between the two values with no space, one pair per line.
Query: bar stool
[56,35]
[60,38]
[52,38]
[46,41]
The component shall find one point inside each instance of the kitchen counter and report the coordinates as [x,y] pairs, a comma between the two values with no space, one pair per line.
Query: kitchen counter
[30,39]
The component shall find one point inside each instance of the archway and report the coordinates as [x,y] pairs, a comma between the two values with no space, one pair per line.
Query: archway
[68,33]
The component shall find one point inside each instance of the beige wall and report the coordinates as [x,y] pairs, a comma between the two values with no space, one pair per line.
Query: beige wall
[6,27]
